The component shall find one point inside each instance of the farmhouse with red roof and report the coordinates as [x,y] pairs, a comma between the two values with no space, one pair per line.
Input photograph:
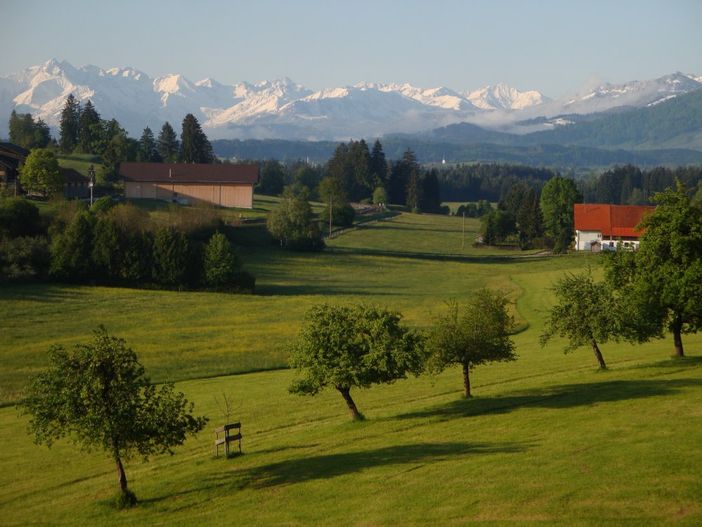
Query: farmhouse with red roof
[600,227]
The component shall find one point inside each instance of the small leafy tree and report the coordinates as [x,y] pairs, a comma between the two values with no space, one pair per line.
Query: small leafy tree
[357,346]
[586,314]
[380,197]
[40,173]
[221,263]
[472,334]
[100,396]
[292,222]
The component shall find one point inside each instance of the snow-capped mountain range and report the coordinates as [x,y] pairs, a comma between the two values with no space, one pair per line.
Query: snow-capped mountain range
[284,109]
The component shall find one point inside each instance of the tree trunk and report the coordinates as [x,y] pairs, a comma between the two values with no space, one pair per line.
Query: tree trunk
[346,394]
[677,336]
[598,355]
[466,380]
[120,474]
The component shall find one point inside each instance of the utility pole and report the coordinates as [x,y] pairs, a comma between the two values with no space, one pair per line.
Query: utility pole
[91,182]
[463,234]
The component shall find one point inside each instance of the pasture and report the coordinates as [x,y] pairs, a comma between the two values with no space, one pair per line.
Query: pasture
[547,440]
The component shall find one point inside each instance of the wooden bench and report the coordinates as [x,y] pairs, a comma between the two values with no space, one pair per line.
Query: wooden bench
[227,437]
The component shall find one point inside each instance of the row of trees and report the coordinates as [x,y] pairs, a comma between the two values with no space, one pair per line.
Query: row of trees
[82,130]
[118,244]
[646,293]
[345,347]
[355,173]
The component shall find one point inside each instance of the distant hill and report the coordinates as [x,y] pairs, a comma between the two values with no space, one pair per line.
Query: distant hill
[675,123]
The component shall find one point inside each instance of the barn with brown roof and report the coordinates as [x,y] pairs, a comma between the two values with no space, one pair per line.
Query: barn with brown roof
[226,185]
[600,227]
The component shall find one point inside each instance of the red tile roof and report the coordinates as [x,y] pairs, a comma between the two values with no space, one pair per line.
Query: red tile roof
[189,173]
[610,220]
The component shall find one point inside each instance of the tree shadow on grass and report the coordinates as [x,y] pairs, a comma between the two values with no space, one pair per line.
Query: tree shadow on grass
[557,397]
[327,466]
[44,293]
[516,257]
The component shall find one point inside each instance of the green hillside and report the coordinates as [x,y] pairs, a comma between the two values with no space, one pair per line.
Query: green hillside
[547,440]
[676,123]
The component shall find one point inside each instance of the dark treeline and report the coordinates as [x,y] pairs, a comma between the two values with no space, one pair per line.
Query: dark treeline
[629,185]
[118,244]
[491,182]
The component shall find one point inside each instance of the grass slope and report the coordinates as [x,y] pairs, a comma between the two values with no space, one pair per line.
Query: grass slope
[547,440]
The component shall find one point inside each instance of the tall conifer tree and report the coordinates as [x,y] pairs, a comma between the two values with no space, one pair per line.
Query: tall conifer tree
[378,164]
[69,124]
[168,145]
[88,131]
[194,145]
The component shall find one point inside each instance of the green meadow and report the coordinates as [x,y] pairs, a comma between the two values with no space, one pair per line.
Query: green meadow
[548,439]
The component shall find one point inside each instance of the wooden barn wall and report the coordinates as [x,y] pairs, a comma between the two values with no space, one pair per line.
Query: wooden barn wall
[224,195]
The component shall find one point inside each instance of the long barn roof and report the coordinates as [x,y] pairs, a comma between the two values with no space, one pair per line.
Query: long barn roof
[610,220]
[189,173]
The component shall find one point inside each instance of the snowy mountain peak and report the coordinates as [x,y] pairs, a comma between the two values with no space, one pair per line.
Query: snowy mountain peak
[504,97]
[281,108]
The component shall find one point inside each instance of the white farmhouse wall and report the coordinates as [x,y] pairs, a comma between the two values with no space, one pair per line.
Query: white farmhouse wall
[585,239]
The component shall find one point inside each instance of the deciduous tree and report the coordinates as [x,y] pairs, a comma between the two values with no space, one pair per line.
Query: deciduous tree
[99,396]
[472,334]
[661,284]
[557,199]
[292,222]
[40,173]
[345,347]
[586,314]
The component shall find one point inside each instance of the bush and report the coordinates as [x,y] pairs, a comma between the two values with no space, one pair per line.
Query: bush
[71,258]
[342,216]
[102,205]
[24,258]
[172,258]
[19,217]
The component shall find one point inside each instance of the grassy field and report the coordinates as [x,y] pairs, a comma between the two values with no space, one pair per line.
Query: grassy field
[547,440]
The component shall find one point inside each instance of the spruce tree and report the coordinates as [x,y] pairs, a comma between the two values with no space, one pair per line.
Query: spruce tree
[88,132]
[168,145]
[194,145]
[69,124]
[148,151]
[431,197]
[414,191]
[378,165]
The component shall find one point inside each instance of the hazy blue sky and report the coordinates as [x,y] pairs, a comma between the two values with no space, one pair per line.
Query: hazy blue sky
[554,46]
